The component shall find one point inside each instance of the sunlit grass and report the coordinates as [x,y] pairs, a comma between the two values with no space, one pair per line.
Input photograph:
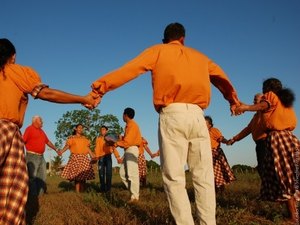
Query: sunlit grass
[238,205]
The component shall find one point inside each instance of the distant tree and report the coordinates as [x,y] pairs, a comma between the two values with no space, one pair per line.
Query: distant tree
[152,164]
[242,168]
[91,119]
[56,163]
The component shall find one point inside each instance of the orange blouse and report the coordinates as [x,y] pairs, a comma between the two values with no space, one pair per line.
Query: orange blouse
[278,117]
[16,82]
[215,137]
[78,144]
[187,80]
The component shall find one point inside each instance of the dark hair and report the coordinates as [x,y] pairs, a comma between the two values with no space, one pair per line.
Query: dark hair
[74,131]
[129,112]
[285,95]
[103,126]
[7,50]
[173,31]
[209,119]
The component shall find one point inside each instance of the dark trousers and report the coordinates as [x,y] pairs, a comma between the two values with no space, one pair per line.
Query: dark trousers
[105,172]
[260,155]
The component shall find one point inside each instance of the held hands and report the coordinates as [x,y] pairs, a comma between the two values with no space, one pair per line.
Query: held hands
[92,100]
[238,109]
[230,141]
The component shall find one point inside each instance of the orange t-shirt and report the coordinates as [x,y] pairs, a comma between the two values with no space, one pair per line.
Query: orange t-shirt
[215,137]
[102,148]
[278,117]
[132,135]
[78,144]
[179,74]
[19,81]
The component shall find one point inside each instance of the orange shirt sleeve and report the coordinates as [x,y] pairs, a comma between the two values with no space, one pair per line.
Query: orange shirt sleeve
[215,136]
[132,136]
[278,117]
[14,89]
[187,80]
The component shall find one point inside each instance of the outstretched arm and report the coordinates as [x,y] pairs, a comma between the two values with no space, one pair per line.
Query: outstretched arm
[57,96]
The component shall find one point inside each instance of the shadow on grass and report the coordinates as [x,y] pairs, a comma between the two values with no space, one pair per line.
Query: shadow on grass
[32,209]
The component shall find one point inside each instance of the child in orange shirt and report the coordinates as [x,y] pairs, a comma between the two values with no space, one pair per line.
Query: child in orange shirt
[280,181]
[78,168]
[222,171]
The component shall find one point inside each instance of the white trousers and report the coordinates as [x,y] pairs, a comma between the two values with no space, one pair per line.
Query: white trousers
[184,140]
[129,171]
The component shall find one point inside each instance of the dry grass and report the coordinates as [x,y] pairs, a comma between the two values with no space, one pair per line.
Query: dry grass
[62,206]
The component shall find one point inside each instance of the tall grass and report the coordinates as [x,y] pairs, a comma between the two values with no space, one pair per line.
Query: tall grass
[237,205]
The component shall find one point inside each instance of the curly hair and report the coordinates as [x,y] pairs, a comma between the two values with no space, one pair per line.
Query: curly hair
[285,95]
[7,50]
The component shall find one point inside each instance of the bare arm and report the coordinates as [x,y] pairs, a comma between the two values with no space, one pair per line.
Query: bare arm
[51,145]
[57,96]
[256,107]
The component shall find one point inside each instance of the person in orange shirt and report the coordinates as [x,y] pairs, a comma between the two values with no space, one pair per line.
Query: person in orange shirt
[222,171]
[181,82]
[16,83]
[142,161]
[103,153]
[129,170]
[255,127]
[35,140]
[78,168]
[280,180]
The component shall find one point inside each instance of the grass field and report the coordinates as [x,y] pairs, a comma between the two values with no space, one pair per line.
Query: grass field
[62,206]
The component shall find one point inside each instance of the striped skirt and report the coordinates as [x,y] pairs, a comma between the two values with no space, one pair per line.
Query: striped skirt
[280,178]
[78,168]
[222,171]
[13,175]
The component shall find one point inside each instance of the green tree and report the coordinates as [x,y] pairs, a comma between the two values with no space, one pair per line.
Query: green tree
[56,164]
[91,119]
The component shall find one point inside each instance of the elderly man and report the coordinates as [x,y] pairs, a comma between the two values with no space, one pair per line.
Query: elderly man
[35,142]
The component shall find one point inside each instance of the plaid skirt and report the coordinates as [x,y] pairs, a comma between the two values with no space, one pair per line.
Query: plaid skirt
[222,171]
[78,168]
[13,175]
[280,178]
[142,166]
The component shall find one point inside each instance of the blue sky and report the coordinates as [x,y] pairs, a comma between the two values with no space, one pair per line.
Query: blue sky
[72,43]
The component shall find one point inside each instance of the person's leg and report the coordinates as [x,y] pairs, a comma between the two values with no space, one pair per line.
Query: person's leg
[101,170]
[32,167]
[173,146]
[108,172]
[41,176]
[123,171]
[291,205]
[132,154]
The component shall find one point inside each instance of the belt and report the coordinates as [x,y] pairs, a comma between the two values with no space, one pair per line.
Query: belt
[34,153]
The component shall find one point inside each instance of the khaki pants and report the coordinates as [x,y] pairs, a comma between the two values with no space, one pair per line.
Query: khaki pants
[129,171]
[184,139]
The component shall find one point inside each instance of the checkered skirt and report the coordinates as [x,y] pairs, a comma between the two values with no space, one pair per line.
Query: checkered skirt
[142,166]
[222,171]
[13,175]
[78,168]
[281,172]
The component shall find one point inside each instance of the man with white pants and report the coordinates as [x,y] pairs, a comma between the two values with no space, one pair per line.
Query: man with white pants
[129,170]
[181,78]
